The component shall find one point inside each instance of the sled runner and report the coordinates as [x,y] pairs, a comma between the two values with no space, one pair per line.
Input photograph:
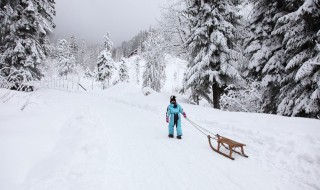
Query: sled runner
[228,144]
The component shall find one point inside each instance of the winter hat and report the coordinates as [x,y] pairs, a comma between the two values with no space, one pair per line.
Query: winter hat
[172,98]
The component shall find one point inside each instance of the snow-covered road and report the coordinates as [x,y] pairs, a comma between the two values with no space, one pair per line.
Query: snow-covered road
[117,139]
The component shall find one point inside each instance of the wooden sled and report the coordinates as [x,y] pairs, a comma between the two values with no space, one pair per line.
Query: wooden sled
[228,144]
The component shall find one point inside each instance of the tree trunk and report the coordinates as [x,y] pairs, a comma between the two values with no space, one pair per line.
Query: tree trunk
[216,93]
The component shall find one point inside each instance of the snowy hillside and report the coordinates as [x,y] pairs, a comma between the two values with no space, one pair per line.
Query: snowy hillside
[175,69]
[117,139]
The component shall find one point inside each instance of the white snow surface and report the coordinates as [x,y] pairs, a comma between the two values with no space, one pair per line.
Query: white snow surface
[117,139]
[175,69]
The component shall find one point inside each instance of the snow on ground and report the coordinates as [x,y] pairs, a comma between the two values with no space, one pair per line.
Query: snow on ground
[175,69]
[174,74]
[117,139]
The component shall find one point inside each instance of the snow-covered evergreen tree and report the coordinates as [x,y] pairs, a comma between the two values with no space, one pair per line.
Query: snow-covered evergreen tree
[105,65]
[83,54]
[154,74]
[212,48]
[123,71]
[131,47]
[265,51]
[93,52]
[73,45]
[284,56]
[66,60]
[24,24]
[137,69]
[300,88]
[88,73]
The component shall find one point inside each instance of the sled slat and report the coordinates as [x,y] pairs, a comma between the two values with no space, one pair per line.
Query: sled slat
[229,144]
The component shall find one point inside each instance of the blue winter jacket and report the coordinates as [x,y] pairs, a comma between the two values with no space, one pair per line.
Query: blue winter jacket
[171,111]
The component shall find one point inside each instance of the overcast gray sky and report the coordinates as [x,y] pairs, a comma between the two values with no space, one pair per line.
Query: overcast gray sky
[91,19]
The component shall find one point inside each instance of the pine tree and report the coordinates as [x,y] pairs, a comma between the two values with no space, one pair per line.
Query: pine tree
[93,54]
[123,71]
[284,56]
[265,51]
[83,54]
[154,74]
[24,24]
[212,48]
[73,45]
[137,69]
[88,73]
[66,60]
[105,65]
[300,88]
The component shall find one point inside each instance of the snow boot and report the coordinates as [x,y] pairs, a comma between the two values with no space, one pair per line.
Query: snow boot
[170,136]
[179,137]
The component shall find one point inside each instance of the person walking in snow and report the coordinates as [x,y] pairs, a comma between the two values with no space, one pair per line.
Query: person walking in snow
[173,111]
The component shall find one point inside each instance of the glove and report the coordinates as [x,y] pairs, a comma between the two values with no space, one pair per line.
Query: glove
[184,115]
[167,119]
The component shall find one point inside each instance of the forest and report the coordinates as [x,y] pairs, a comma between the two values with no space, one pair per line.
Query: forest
[249,56]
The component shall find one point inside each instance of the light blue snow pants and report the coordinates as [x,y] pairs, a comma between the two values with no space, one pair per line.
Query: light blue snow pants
[171,127]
